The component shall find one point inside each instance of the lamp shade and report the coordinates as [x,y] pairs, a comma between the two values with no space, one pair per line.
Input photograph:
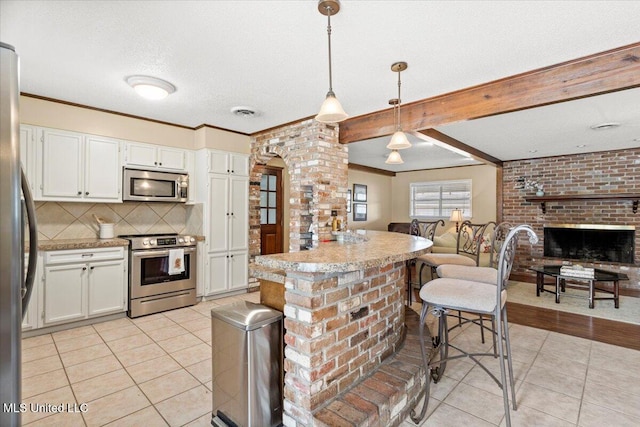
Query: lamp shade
[398,141]
[394,158]
[456,215]
[331,111]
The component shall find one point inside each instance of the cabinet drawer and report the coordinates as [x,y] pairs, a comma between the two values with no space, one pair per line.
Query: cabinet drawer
[83,255]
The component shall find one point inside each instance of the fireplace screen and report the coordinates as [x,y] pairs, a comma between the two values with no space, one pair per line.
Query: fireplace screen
[589,242]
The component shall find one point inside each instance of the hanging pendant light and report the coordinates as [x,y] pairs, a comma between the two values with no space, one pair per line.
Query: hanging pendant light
[394,158]
[331,111]
[399,140]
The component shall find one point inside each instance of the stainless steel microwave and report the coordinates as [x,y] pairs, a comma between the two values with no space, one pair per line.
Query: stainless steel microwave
[153,186]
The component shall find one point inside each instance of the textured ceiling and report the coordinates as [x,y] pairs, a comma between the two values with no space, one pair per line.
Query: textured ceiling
[272,55]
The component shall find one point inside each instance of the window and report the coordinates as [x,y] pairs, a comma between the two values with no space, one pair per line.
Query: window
[437,199]
[268,193]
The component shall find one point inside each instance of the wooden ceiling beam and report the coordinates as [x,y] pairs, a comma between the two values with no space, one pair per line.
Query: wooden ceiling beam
[604,72]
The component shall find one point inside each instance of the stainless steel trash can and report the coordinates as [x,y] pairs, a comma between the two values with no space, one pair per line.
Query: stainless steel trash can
[247,346]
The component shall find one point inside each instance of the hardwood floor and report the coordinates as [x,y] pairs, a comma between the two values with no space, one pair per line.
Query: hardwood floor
[593,328]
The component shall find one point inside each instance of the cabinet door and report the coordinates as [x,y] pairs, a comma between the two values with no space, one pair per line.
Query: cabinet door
[239,164]
[218,162]
[239,270]
[218,217]
[28,154]
[217,273]
[239,218]
[141,154]
[64,292]
[62,164]
[30,320]
[106,287]
[171,158]
[102,169]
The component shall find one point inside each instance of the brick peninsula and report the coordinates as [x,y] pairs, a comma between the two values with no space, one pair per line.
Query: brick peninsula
[344,314]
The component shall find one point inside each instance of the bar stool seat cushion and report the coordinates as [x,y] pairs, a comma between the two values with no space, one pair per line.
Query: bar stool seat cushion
[440,259]
[463,295]
[464,272]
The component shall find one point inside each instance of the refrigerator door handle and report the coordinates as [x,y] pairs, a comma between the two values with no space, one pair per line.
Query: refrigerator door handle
[27,287]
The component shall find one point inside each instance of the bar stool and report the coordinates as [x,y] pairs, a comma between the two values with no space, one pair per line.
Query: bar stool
[426,229]
[442,294]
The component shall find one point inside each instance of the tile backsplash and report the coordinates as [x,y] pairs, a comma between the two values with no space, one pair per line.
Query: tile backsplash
[66,220]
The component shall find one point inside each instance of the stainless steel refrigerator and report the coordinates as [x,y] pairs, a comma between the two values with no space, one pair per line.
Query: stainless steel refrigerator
[16,212]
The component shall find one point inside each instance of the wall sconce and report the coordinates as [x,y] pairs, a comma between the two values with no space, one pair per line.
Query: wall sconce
[456,216]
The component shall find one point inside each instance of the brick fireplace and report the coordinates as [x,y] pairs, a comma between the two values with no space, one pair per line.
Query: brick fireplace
[608,172]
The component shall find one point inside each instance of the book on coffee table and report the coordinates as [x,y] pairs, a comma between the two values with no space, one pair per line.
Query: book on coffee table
[578,271]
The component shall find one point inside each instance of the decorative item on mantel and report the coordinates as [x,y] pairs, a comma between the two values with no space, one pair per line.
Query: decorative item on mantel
[523,183]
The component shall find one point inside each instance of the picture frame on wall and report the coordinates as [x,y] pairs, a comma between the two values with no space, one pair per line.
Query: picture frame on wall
[359,212]
[348,201]
[359,193]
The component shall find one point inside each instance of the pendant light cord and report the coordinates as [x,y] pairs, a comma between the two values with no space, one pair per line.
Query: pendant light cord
[329,10]
[399,127]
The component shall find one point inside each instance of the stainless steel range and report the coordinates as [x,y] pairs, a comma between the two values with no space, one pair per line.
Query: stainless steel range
[162,272]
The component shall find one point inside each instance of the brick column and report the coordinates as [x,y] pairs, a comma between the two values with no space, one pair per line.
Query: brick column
[315,159]
[339,327]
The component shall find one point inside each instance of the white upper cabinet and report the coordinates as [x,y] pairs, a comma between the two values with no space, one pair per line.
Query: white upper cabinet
[228,163]
[28,154]
[151,156]
[73,166]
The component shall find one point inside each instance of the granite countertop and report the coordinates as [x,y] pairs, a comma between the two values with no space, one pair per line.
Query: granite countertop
[380,247]
[64,244]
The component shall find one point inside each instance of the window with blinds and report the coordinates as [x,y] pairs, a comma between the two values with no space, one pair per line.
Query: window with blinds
[436,199]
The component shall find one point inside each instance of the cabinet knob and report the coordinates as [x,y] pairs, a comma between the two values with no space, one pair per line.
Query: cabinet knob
[79,193]
[92,267]
[227,170]
[86,193]
[231,256]
[84,268]
[155,163]
[232,171]
[160,163]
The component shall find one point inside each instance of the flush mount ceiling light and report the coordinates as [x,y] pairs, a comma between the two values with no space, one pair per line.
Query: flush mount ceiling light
[394,158]
[399,140]
[605,126]
[331,111]
[150,87]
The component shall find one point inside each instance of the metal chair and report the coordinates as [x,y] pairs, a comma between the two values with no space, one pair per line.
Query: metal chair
[443,294]
[468,249]
[487,274]
[426,229]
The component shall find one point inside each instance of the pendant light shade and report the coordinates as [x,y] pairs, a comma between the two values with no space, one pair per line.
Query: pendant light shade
[331,111]
[398,141]
[394,158]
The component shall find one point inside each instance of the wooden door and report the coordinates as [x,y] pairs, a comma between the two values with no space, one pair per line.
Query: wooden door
[271,211]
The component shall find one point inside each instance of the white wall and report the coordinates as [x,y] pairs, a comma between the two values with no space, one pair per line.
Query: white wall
[378,200]
[483,186]
[39,112]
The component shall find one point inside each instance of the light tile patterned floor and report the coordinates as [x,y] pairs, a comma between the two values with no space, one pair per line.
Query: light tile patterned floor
[150,371]
[156,371]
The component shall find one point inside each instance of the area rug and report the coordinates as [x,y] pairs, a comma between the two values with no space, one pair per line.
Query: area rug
[575,301]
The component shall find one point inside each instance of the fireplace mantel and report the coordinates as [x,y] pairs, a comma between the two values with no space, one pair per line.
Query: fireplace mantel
[595,196]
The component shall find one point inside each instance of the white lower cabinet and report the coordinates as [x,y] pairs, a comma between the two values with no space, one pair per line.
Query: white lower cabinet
[30,319]
[80,284]
[227,271]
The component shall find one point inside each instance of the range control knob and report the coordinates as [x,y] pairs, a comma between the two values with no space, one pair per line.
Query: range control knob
[153,241]
[145,242]
[192,239]
[180,240]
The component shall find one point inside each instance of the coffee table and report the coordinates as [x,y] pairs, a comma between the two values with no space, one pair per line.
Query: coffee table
[599,277]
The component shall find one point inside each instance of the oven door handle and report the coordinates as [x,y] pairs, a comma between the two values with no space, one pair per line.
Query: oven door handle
[156,252]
